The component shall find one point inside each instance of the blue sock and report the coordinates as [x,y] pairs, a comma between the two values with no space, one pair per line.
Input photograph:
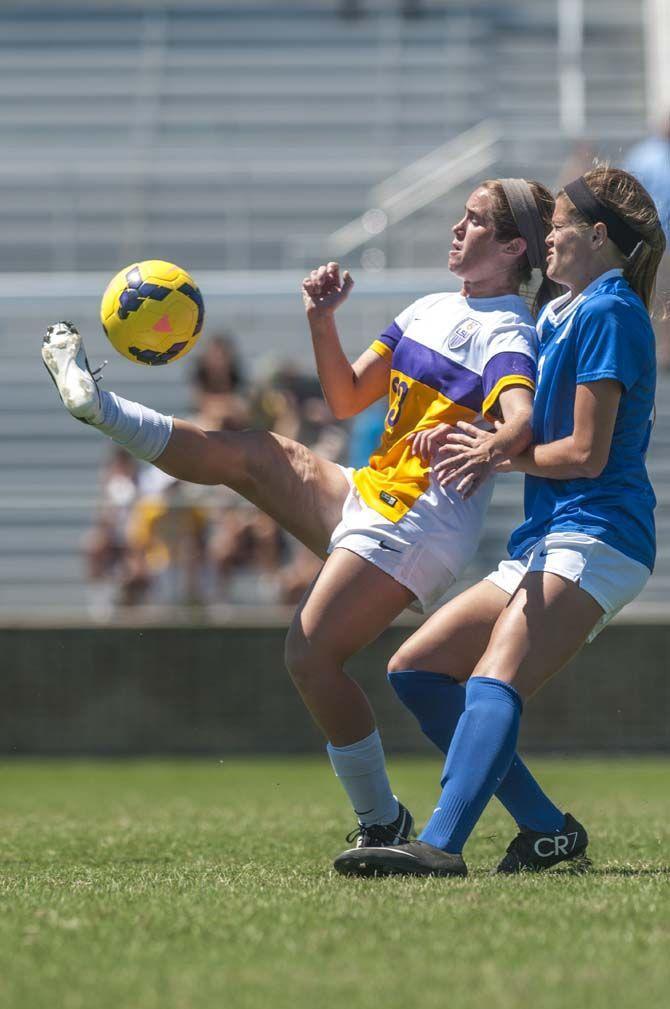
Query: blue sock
[478,759]
[437,702]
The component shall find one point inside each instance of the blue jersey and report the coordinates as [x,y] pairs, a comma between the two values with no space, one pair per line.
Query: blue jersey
[603,333]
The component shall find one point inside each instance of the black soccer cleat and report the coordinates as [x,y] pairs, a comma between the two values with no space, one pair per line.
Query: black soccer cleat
[414,858]
[379,835]
[533,851]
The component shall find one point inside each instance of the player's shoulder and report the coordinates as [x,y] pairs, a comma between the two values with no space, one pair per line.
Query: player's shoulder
[437,300]
[415,310]
[505,313]
[614,304]
[511,323]
[602,302]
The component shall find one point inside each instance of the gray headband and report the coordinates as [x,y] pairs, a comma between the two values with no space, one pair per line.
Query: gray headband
[528,221]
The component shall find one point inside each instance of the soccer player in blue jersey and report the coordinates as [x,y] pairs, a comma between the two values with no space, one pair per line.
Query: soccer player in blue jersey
[391,534]
[585,549]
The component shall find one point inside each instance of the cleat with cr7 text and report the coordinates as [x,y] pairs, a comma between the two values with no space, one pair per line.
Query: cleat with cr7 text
[65,359]
[414,858]
[533,851]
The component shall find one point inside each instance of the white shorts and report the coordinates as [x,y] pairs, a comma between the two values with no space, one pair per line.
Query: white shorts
[427,549]
[611,577]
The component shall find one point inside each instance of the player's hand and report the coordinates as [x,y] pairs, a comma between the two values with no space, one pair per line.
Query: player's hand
[324,290]
[426,443]
[465,458]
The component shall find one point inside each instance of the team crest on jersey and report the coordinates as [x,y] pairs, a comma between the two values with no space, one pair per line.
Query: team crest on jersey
[463,332]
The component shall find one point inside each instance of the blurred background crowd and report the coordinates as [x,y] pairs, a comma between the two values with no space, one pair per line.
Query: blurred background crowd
[156,540]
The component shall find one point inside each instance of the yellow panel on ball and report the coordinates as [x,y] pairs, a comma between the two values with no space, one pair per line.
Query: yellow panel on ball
[152,312]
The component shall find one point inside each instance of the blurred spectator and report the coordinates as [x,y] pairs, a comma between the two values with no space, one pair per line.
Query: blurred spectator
[256,561]
[217,385]
[247,549]
[649,161]
[167,543]
[366,433]
[217,369]
[292,404]
[104,545]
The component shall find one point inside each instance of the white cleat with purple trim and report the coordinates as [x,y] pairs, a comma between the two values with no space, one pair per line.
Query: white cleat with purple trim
[65,359]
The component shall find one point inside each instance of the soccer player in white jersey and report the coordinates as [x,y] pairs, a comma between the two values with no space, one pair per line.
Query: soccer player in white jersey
[585,549]
[390,534]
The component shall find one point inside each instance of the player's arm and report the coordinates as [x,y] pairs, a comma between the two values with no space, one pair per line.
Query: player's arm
[585,452]
[348,388]
[465,454]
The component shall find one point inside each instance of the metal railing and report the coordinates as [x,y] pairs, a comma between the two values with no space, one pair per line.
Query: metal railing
[419,184]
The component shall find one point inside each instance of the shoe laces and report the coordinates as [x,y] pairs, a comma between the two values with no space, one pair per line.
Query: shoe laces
[97,374]
[368,833]
[354,834]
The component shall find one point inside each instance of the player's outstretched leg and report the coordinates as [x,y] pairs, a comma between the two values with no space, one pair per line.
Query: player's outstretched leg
[301,491]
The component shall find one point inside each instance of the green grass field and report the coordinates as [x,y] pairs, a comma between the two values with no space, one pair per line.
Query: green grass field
[203,884]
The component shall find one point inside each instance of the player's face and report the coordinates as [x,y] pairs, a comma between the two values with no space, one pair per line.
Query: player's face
[570,248]
[475,255]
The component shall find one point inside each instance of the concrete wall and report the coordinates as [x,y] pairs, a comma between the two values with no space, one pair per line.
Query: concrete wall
[224,690]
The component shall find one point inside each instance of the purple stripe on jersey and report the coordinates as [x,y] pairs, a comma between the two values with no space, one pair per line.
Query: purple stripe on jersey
[453,380]
[391,335]
[509,362]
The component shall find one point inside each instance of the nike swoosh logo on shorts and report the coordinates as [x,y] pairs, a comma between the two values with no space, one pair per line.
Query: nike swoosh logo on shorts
[384,545]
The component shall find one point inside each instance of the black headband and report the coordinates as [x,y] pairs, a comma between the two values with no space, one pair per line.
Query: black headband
[590,207]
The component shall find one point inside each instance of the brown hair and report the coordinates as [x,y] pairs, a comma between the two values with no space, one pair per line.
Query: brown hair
[626,197]
[506,229]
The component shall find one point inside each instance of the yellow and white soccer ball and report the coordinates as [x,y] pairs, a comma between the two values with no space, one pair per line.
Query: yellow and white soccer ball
[152,312]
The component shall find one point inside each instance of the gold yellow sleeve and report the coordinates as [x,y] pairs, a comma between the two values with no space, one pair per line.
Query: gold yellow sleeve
[381,349]
[504,383]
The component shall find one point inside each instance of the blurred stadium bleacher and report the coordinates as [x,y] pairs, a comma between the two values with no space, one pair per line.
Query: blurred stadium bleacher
[237,137]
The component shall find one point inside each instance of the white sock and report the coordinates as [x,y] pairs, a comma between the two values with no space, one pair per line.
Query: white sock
[140,430]
[361,768]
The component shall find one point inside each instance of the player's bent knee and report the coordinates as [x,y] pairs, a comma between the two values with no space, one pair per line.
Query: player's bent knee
[403,659]
[298,656]
[236,451]
[306,661]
